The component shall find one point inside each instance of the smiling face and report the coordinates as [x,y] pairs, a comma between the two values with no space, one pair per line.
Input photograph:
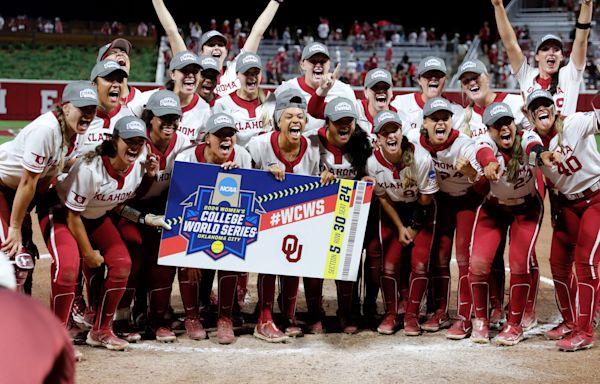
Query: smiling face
[216,48]
[208,83]
[379,96]
[220,144]
[128,151]
[314,68]
[542,114]
[109,90]
[339,131]
[438,126]
[389,139]
[120,56]
[250,81]
[549,57]
[78,120]
[292,123]
[186,80]
[432,83]
[503,132]
[163,128]
[475,86]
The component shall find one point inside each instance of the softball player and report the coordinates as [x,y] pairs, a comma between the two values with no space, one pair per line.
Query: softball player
[575,199]
[118,50]
[344,151]
[248,105]
[280,151]
[315,63]
[219,147]
[513,202]
[562,81]
[30,161]
[209,78]
[405,183]
[95,185]
[453,156]
[431,75]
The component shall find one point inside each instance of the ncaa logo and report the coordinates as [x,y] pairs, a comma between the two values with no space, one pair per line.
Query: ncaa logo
[227,187]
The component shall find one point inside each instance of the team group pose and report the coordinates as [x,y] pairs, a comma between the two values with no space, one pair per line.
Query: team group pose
[98,168]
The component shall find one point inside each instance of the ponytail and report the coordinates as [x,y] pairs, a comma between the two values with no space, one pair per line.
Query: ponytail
[106,148]
[408,159]
[60,116]
[359,148]
[517,159]
[466,126]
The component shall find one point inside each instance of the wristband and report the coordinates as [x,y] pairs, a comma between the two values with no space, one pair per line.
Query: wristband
[534,155]
[132,214]
[579,25]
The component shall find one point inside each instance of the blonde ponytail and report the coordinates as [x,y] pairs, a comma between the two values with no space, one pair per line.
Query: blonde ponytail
[466,126]
[517,159]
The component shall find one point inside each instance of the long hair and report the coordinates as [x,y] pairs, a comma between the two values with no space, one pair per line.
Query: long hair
[106,148]
[466,126]
[516,160]
[265,118]
[147,116]
[359,148]
[408,159]
[554,83]
[60,116]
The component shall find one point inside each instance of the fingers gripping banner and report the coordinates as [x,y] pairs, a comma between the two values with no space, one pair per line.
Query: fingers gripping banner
[245,220]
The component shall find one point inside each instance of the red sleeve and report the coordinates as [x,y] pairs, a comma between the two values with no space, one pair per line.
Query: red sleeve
[316,107]
[485,156]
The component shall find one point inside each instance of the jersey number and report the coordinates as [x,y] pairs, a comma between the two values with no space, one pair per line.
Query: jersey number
[569,166]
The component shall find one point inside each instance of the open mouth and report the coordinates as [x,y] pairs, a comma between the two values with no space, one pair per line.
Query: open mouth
[551,61]
[132,154]
[225,147]
[474,89]
[344,134]
[544,118]
[167,130]
[189,84]
[113,96]
[252,84]
[295,132]
[440,133]
[392,145]
[83,125]
[381,100]
[434,84]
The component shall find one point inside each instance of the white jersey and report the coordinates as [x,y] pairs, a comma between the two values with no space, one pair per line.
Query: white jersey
[251,117]
[580,165]
[100,129]
[228,81]
[133,97]
[525,186]
[567,91]
[339,89]
[195,154]
[137,104]
[410,109]
[95,188]
[403,183]
[332,158]
[444,158]
[37,148]
[515,102]
[166,162]
[265,153]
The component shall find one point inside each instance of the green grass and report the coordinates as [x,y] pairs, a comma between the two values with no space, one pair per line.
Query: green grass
[66,62]
[13,123]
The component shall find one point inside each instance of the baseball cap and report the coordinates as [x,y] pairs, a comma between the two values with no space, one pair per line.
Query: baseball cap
[431,63]
[340,107]
[538,94]
[378,75]
[80,94]
[312,49]
[183,59]
[548,37]
[129,127]
[104,68]
[247,60]
[164,102]
[209,62]
[210,35]
[290,98]
[495,112]
[385,117]
[219,121]
[120,43]
[474,66]
[436,104]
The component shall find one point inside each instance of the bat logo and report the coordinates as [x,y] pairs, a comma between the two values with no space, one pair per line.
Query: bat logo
[39,158]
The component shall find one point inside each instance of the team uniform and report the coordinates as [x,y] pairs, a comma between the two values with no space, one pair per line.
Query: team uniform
[339,89]
[91,188]
[228,81]
[457,202]
[132,97]
[515,205]
[410,108]
[251,117]
[575,184]
[100,129]
[403,185]
[567,91]
[515,102]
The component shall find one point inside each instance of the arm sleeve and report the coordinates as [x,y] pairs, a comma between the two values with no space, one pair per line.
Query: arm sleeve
[254,150]
[316,107]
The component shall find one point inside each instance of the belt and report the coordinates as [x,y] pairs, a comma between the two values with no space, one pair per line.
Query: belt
[591,190]
[510,202]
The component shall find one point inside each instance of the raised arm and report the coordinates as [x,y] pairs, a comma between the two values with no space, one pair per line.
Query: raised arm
[507,34]
[168,23]
[579,51]
[260,26]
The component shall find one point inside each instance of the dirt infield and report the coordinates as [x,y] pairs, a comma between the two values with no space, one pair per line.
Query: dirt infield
[334,358]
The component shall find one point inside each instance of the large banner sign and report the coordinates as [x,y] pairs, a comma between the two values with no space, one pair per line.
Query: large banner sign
[245,220]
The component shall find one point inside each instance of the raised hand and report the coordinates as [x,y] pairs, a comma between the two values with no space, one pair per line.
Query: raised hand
[327,81]
[551,158]
[492,171]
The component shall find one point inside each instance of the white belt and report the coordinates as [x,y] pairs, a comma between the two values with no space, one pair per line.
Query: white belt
[576,196]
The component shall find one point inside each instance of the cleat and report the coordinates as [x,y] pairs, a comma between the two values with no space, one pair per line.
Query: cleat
[225,333]
[389,325]
[411,325]
[316,328]
[269,332]
[529,321]
[164,335]
[194,329]
[561,331]
[481,331]
[439,320]
[512,334]
[107,339]
[348,326]
[459,330]
[292,329]
[576,341]
[496,318]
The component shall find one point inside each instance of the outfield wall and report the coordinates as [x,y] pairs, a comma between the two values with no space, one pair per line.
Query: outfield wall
[27,99]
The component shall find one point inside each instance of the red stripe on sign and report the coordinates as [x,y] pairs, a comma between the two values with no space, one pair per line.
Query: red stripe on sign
[368,194]
[299,212]
[172,245]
